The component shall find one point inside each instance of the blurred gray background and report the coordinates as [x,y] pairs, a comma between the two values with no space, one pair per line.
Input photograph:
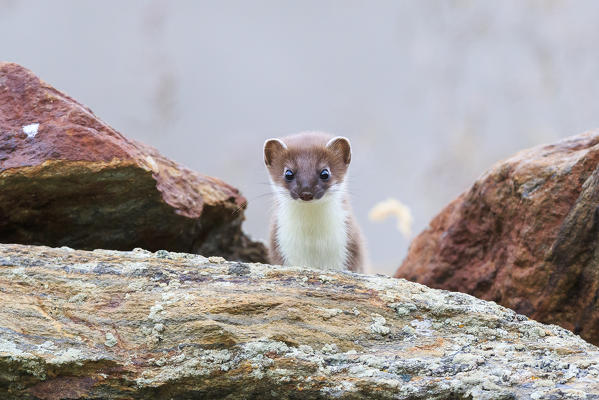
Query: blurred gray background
[431,93]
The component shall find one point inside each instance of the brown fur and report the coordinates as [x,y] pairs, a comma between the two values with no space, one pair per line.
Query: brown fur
[306,154]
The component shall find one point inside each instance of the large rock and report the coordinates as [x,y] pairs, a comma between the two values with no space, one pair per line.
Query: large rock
[67,178]
[138,325]
[525,235]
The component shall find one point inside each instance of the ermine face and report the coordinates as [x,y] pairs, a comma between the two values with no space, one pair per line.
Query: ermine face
[309,165]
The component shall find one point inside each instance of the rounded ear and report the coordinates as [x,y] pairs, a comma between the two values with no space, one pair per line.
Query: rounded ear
[341,147]
[272,147]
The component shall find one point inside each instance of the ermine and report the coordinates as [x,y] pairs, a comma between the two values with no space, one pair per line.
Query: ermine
[312,223]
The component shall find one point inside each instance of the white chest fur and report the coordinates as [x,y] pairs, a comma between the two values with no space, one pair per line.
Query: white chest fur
[313,234]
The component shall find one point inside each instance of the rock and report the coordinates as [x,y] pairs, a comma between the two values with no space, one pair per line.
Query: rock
[68,179]
[181,327]
[524,235]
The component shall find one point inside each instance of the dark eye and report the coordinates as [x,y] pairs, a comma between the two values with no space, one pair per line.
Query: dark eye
[324,174]
[289,175]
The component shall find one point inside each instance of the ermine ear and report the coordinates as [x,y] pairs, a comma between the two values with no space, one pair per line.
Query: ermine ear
[340,146]
[272,147]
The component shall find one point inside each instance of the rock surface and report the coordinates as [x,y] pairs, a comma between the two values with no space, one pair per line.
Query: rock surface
[108,324]
[67,178]
[525,235]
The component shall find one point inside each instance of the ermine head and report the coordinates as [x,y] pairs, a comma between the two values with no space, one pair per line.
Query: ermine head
[308,165]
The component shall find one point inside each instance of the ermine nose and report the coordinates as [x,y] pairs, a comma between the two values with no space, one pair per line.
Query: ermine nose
[306,196]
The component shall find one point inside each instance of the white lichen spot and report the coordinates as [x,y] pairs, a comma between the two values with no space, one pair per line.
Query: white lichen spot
[362,371]
[155,310]
[304,348]
[78,298]
[219,358]
[136,285]
[339,390]
[543,383]
[171,297]
[66,357]
[403,308]
[571,372]
[31,130]
[20,271]
[7,346]
[330,348]
[265,346]
[329,313]
[575,394]
[179,358]
[174,284]
[132,268]
[422,327]
[110,340]
[468,359]
[47,347]
[378,325]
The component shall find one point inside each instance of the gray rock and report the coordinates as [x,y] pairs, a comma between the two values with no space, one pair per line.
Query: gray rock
[185,327]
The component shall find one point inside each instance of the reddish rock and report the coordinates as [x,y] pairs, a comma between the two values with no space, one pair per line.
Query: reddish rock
[68,179]
[525,235]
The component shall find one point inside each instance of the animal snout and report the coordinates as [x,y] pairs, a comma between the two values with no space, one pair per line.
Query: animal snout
[306,196]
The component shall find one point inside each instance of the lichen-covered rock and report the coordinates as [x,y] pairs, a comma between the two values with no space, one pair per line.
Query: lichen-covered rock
[524,235]
[68,179]
[137,325]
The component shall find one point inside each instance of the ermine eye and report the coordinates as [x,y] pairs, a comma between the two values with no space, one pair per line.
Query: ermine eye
[289,175]
[324,174]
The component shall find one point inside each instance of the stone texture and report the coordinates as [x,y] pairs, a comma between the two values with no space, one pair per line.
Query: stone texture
[73,180]
[524,235]
[108,324]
